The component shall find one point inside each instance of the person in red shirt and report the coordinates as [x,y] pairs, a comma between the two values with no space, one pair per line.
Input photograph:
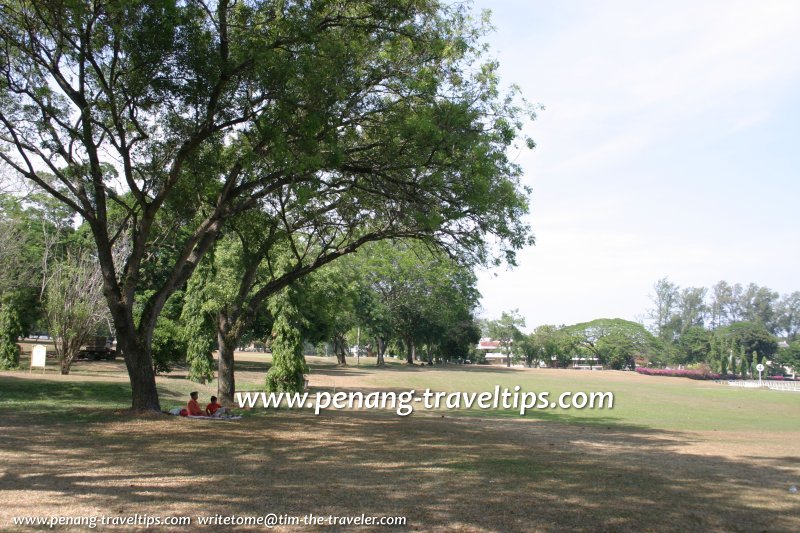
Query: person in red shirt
[212,407]
[215,409]
[193,407]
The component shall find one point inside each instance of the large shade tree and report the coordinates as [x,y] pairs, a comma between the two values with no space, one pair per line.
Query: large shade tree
[750,338]
[421,297]
[350,116]
[617,342]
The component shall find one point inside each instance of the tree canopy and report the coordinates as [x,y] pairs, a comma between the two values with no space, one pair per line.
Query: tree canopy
[345,121]
[616,342]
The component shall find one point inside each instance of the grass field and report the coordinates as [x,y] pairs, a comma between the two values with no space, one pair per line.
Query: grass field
[673,454]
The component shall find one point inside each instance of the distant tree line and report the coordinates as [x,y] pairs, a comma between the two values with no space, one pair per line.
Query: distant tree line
[612,343]
[729,329]
[676,310]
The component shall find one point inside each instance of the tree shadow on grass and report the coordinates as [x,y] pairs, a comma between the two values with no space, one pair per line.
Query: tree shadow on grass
[354,370]
[333,371]
[252,366]
[554,415]
[441,473]
[61,395]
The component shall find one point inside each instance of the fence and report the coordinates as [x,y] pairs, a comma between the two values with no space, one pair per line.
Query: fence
[793,386]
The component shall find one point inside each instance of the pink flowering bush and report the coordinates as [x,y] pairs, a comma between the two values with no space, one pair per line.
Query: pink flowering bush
[701,373]
[778,378]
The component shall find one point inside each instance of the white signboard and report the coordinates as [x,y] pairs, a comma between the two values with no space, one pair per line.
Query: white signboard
[39,356]
[760,367]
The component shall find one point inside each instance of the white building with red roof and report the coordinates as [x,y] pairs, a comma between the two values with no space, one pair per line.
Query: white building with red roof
[492,350]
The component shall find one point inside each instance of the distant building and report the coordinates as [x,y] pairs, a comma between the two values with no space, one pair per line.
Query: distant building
[492,351]
[586,363]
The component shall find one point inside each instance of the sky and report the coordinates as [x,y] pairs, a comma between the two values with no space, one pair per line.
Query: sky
[668,147]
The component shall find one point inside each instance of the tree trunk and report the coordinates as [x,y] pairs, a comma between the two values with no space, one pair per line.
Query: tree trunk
[137,352]
[381,350]
[62,350]
[226,379]
[340,349]
[139,362]
[411,351]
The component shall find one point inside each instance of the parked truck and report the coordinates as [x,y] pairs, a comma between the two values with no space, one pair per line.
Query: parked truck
[97,348]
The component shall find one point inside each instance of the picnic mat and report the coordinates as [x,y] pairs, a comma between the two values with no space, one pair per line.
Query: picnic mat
[176,411]
[213,417]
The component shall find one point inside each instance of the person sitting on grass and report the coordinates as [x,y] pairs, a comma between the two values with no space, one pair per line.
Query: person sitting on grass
[193,407]
[215,409]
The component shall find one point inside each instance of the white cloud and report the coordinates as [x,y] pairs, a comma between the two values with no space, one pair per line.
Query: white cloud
[638,173]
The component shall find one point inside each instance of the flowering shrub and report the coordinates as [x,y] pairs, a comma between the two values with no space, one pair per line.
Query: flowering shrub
[778,378]
[699,373]
[671,372]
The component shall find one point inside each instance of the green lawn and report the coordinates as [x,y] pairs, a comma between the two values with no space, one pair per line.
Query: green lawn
[644,401]
[666,403]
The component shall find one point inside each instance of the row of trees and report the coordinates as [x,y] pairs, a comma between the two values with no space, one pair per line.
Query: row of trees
[401,295]
[614,343]
[729,329]
[295,133]
[620,344]
[676,310]
[406,298]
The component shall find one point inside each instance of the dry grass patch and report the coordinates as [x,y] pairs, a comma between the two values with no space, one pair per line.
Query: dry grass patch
[441,473]
[444,473]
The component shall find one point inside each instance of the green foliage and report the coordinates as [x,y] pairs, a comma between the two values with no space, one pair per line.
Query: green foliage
[11,328]
[459,340]
[27,228]
[789,356]
[507,328]
[750,337]
[743,365]
[397,289]
[198,334]
[327,299]
[506,331]
[23,226]
[288,370]
[169,345]
[338,123]
[198,328]
[618,343]
[663,314]
[694,346]
[676,310]
[617,350]
[75,307]
[788,321]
